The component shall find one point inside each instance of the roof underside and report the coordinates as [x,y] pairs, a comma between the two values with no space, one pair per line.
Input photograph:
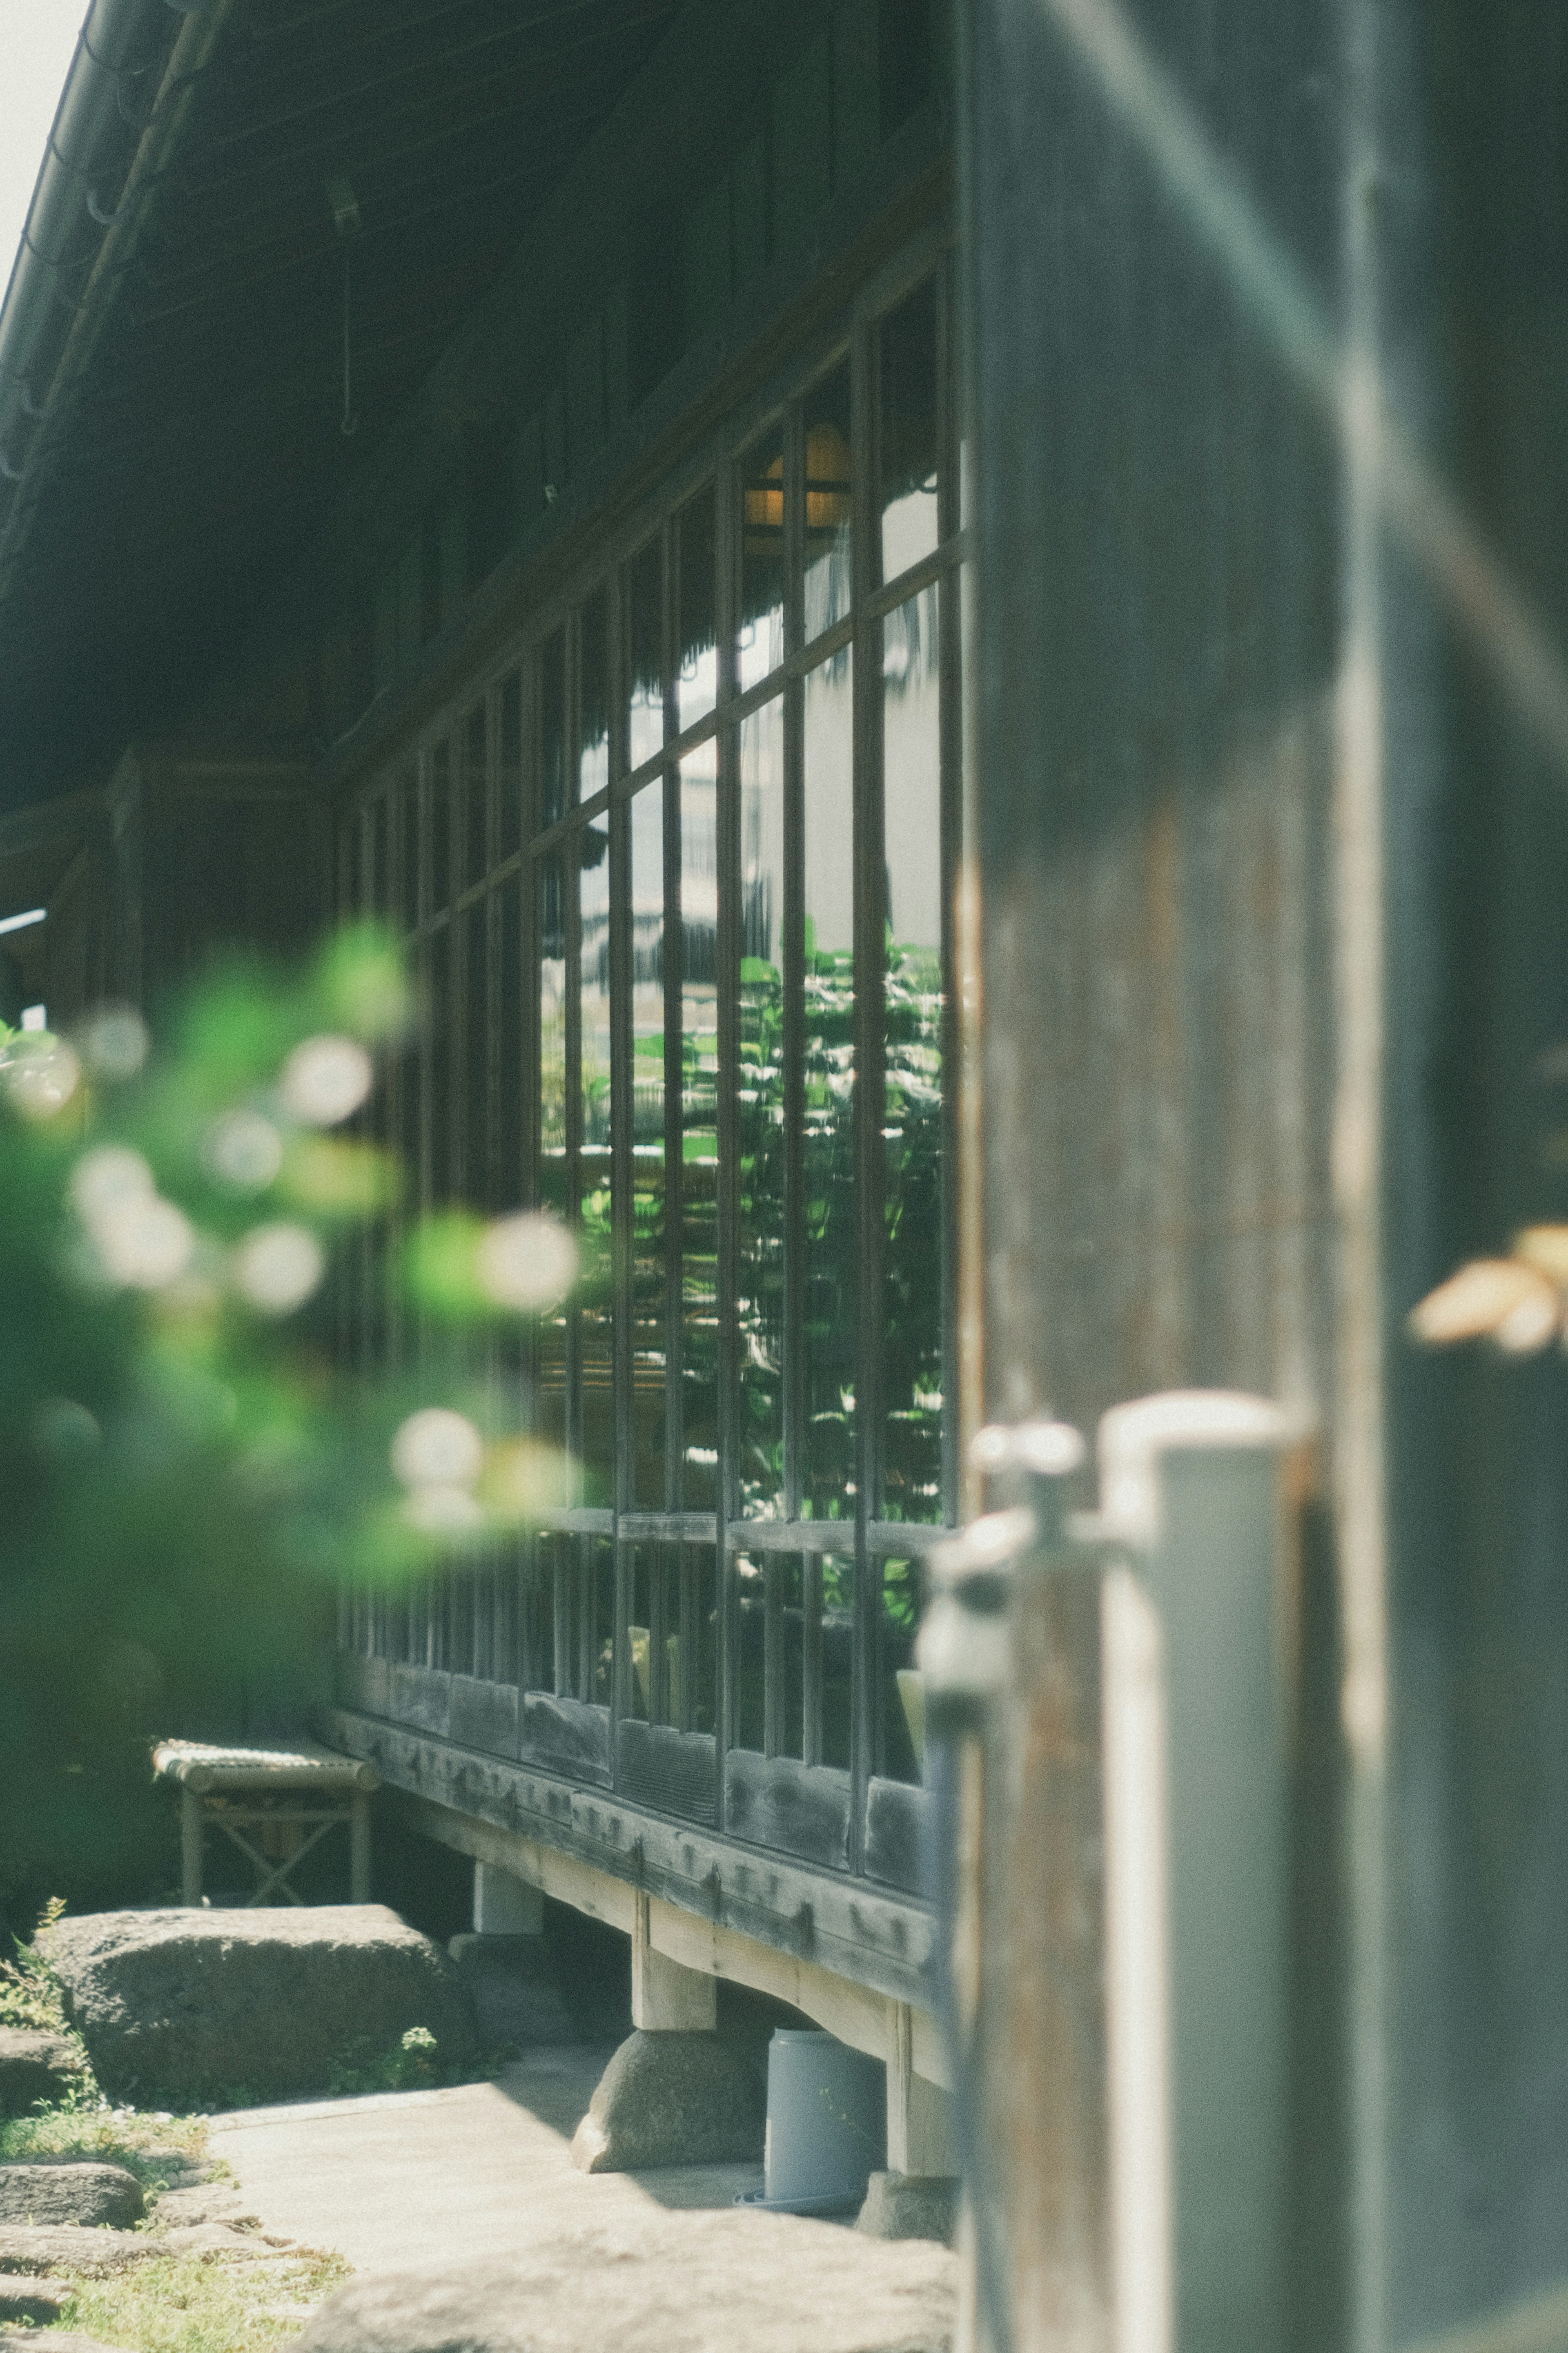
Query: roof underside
[206,438]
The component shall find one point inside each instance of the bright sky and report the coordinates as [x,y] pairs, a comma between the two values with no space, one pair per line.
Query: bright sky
[37,39]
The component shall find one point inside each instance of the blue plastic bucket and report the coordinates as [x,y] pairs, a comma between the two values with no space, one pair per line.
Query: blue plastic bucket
[827,2123]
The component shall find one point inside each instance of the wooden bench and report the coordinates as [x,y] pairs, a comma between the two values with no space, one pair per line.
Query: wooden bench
[291,1798]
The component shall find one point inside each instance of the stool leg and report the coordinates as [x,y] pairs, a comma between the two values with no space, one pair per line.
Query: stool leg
[359,1847]
[190,1848]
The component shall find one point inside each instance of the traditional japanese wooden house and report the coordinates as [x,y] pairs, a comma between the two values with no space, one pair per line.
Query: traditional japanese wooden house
[505,464]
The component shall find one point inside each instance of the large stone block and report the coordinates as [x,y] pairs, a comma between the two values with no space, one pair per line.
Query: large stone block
[85,2193]
[910,2206]
[673,2099]
[73,2247]
[188,2005]
[680,2284]
[34,2067]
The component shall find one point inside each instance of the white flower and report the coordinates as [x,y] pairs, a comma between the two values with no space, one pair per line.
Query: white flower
[438,1448]
[527,1261]
[276,1268]
[325,1080]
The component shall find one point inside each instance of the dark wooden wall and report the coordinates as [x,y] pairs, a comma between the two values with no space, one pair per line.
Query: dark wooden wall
[1274,848]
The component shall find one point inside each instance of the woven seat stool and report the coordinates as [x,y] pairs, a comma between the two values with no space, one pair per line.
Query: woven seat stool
[289,1798]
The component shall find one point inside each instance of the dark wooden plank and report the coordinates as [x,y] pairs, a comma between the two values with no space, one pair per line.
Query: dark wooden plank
[363,1683]
[419,1696]
[566,1735]
[484,1716]
[674,1772]
[789,1808]
[898,1817]
[866,1934]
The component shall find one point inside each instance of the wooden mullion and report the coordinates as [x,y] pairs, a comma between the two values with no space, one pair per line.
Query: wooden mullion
[866,722]
[950,639]
[727,968]
[792,960]
[621,1163]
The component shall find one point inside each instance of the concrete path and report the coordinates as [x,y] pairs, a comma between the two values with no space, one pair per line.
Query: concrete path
[399,2179]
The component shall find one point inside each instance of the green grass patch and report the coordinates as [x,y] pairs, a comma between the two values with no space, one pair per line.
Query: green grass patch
[180,2304]
[158,2149]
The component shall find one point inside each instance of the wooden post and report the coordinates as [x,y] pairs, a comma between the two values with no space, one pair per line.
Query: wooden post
[359,1847]
[666,1996]
[190,1848]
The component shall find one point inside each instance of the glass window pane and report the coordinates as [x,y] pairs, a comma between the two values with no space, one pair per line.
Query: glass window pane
[698,679]
[439,820]
[638,1699]
[596,1305]
[551,1582]
[594,734]
[900,1716]
[552,1164]
[694,1706]
[599,1618]
[508,777]
[699,1131]
[911,1122]
[837,1660]
[650,1231]
[828,1147]
[761,1113]
[408,799]
[760,646]
[476,1058]
[377,896]
[439,1000]
[552,729]
[475,797]
[828,505]
[509,1048]
[785,1616]
[751,1651]
[645,654]
[908,432]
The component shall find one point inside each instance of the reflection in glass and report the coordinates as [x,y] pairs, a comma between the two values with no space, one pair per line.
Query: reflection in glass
[599,1617]
[896,1759]
[751,1651]
[509,1048]
[593,735]
[476,1056]
[697,682]
[762,1115]
[553,1163]
[645,654]
[909,434]
[700,1130]
[595,1300]
[784,1612]
[552,729]
[408,802]
[761,641]
[695,1707]
[475,797]
[553,1588]
[827,504]
[911,1123]
[828,1147]
[438,1082]
[376,896]
[642,1635]
[508,776]
[440,823]
[649,1228]
[837,1660]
